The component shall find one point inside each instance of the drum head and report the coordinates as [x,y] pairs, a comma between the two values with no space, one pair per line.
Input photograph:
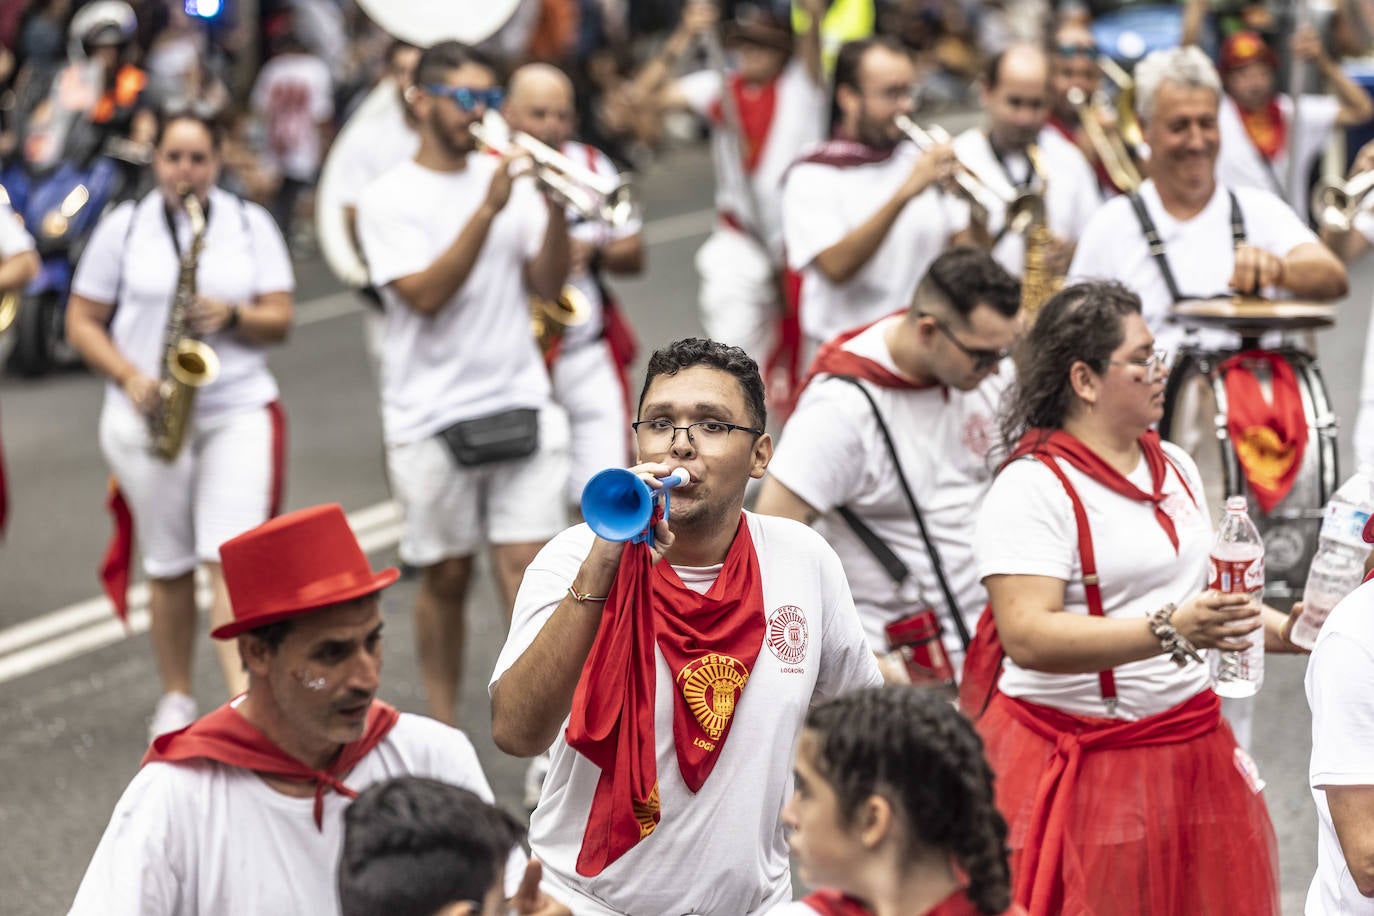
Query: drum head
[1244,313]
[428,22]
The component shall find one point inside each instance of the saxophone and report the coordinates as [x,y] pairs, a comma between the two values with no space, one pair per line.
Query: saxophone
[550,318]
[187,363]
[1038,283]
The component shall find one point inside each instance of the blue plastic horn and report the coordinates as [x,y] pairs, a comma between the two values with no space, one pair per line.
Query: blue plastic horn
[617,505]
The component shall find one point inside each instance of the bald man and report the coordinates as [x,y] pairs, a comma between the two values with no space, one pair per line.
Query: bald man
[589,366]
[1015,96]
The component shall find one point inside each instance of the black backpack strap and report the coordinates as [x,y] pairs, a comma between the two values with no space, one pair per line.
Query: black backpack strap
[890,562]
[955,612]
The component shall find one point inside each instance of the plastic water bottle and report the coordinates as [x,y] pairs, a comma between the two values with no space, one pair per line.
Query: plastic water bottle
[1237,565]
[1338,566]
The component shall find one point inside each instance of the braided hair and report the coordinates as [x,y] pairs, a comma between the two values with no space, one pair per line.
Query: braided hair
[909,745]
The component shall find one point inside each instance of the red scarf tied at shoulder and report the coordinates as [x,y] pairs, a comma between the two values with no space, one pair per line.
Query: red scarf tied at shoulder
[227,737]
[833,359]
[710,643]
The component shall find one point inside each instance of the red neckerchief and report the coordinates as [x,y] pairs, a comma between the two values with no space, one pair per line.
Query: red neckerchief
[227,737]
[710,643]
[833,903]
[1270,435]
[1059,444]
[833,359]
[842,151]
[756,105]
[1266,128]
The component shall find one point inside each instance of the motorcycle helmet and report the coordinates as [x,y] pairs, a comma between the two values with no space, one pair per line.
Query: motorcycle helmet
[104,23]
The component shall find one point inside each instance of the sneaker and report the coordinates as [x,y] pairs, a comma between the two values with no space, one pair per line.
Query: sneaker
[174,711]
[534,779]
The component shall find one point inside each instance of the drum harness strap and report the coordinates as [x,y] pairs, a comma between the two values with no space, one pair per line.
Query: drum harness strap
[1147,226]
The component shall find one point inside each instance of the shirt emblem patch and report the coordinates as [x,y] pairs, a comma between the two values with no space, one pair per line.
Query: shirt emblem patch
[787,637]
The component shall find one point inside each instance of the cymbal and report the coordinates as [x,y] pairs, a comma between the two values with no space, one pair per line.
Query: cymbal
[1243,313]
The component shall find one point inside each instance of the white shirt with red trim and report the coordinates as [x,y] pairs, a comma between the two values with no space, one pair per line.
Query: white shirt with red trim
[131,262]
[823,203]
[476,356]
[832,454]
[598,233]
[1027,528]
[202,838]
[1340,692]
[798,121]
[1070,188]
[292,96]
[1200,251]
[721,850]
[14,239]
[1240,164]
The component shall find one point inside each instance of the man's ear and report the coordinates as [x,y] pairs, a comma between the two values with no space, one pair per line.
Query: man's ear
[762,454]
[256,655]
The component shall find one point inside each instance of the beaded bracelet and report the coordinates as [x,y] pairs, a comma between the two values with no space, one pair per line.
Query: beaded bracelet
[584,596]
[1180,649]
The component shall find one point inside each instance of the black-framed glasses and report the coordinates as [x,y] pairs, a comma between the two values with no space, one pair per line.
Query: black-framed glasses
[983,359]
[467,98]
[704,434]
[1154,365]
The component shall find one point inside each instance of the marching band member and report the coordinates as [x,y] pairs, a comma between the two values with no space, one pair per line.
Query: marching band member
[1015,97]
[1073,65]
[778,91]
[932,368]
[1093,544]
[229,475]
[475,449]
[590,360]
[1214,237]
[893,811]
[19,264]
[863,214]
[645,680]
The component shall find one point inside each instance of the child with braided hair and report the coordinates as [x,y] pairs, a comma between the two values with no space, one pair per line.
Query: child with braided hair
[893,811]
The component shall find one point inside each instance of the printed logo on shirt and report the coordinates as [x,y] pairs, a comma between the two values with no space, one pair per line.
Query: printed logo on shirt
[1178,507]
[711,685]
[977,435]
[787,634]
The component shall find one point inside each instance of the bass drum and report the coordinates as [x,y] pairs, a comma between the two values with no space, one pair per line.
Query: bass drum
[1195,419]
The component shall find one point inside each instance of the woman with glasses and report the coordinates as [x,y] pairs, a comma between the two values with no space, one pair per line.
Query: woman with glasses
[227,476]
[1123,786]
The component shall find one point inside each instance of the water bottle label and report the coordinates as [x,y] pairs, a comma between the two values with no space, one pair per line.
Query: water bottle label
[1235,575]
[1345,523]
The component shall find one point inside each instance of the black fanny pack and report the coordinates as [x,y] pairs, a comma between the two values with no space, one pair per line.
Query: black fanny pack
[500,437]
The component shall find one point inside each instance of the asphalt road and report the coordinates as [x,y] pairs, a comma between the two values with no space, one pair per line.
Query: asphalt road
[75,692]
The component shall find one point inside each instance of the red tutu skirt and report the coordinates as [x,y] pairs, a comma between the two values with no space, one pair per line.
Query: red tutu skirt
[1164,829]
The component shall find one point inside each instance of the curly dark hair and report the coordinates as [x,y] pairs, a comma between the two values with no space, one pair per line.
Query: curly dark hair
[1080,323]
[694,351]
[909,745]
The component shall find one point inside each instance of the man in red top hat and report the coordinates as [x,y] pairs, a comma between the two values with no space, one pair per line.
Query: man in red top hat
[242,811]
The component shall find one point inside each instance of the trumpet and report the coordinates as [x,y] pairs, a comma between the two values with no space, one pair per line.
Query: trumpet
[593,196]
[551,318]
[1336,203]
[1020,207]
[1110,145]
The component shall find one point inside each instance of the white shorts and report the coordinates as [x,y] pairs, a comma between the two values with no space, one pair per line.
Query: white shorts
[739,292]
[220,486]
[588,385]
[450,511]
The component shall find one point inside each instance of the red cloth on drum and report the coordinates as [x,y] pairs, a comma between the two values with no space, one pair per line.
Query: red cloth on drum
[1148,817]
[1269,435]
[709,642]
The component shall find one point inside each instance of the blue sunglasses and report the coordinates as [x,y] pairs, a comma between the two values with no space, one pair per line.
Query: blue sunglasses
[468,99]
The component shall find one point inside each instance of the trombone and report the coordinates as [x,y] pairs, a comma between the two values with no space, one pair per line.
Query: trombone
[1110,145]
[593,196]
[1336,203]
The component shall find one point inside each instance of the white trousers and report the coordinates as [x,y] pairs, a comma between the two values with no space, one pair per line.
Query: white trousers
[739,292]
[587,385]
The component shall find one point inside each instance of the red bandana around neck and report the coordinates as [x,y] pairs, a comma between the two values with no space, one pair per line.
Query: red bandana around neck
[710,643]
[833,359]
[1269,435]
[227,737]
[1059,444]
[1267,129]
[756,105]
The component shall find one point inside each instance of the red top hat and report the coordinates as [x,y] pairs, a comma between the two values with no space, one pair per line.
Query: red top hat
[294,564]
[1243,48]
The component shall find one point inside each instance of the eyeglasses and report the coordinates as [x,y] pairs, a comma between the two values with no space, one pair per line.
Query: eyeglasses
[467,98]
[983,359]
[1077,50]
[1154,365]
[704,434]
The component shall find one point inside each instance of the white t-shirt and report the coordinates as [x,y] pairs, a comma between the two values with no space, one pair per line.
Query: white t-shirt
[292,95]
[597,232]
[1240,164]
[798,121]
[832,454]
[1200,251]
[1026,528]
[822,203]
[476,356]
[204,839]
[360,157]
[722,850]
[132,263]
[1071,192]
[1340,692]
[14,239]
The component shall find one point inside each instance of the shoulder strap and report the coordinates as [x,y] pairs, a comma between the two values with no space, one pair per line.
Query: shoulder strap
[1237,221]
[955,612]
[123,253]
[1147,226]
[890,562]
[1092,589]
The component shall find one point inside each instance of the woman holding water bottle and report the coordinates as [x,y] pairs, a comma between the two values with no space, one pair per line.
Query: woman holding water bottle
[1124,788]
